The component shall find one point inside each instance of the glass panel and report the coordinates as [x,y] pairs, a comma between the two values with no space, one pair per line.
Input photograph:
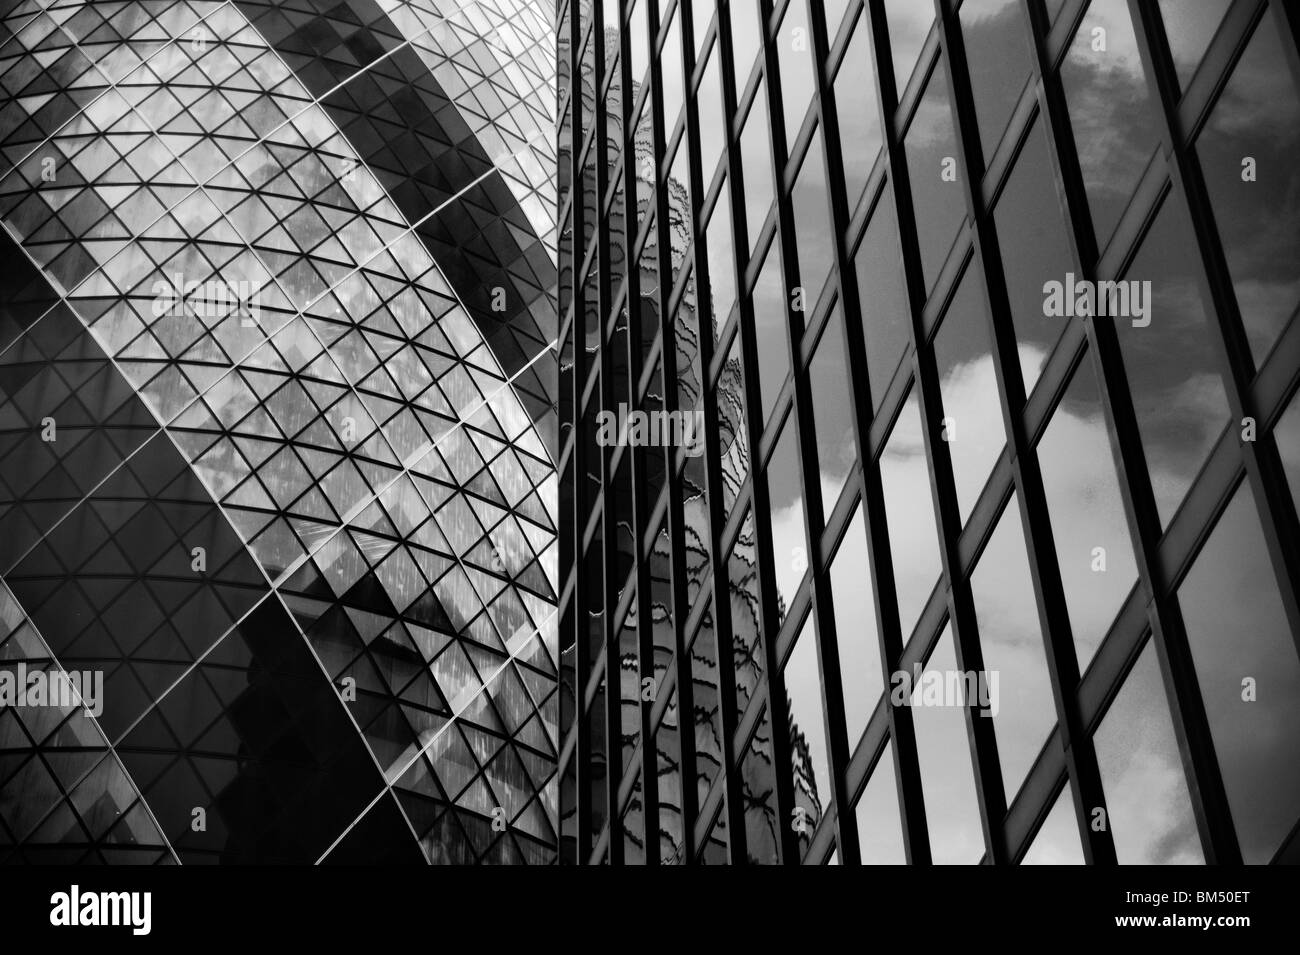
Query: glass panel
[909,23]
[968,384]
[1012,644]
[808,750]
[812,223]
[713,128]
[771,332]
[747,639]
[913,534]
[746,29]
[756,166]
[855,628]
[947,779]
[880,826]
[1093,548]
[794,58]
[828,380]
[785,494]
[1173,374]
[758,783]
[708,712]
[858,109]
[1035,250]
[1249,676]
[669,771]
[997,53]
[1057,841]
[722,274]
[1189,27]
[882,296]
[670,73]
[1247,152]
[732,437]
[1150,812]
[1114,121]
[935,172]
[639,42]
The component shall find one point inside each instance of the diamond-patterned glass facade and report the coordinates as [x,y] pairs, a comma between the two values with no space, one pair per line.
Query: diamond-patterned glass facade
[276,363]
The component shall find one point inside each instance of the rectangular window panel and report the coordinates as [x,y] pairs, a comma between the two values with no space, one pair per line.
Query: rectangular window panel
[771,328]
[812,225]
[1089,527]
[1148,809]
[998,55]
[855,628]
[809,755]
[1248,156]
[1111,111]
[882,296]
[832,401]
[794,59]
[758,784]
[746,624]
[947,775]
[909,24]
[909,508]
[785,494]
[1011,641]
[1172,369]
[858,109]
[968,384]
[935,172]
[1035,250]
[880,824]
[756,167]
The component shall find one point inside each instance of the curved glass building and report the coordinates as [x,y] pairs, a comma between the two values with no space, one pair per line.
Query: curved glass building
[276,425]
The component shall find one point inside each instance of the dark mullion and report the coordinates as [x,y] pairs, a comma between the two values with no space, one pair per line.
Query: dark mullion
[838,743]
[961,604]
[1264,470]
[714,481]
[1054,620]
[902,729]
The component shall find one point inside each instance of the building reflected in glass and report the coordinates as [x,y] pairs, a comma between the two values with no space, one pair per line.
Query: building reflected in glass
[828,227]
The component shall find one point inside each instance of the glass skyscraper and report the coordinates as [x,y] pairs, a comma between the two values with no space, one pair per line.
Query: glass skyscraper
[988,312]
[277,429]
